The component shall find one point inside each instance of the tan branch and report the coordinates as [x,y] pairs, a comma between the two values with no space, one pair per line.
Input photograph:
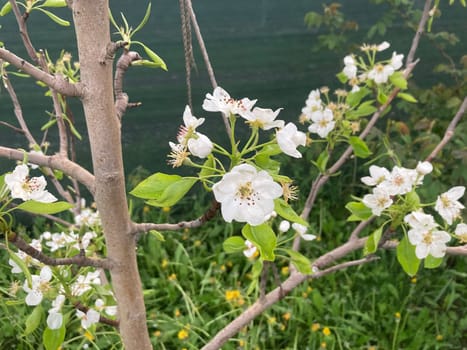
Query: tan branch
[23,30]
[56,82]
[121,98]
[419,32]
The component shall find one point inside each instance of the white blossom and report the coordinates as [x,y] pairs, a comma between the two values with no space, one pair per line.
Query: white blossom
[429,242]
[220,101]
[26,188]
[350,69]
[383,46]
[420,221]
[110,310]
[284,226]
[301,230]
[289,138]
[424,168]
[400,181]
[40,285]
[447,204]
[377,201]
[54,320]
[264,118]
[246,195]
[322,122]
[89,318]
[250,249]
[396,60]
[28,260]
[461,232]
[377,175]
[84,283]
[200,145]
[380,73]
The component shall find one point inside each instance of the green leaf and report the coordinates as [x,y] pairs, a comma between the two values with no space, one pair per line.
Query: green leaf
[301,262]
[159,236]
[359,211]
[322,161]
[155,59]
[208,167]
[371,244]
[153,186]
[6,8]
[342,77]
[354,98]
[398,80]
[53,338]
[53,17]
[407,97]
[234,244]
[144,20]
[34,319]
[54,3]
[359,147]
[407,258]
[263,237]
[173,193]
[263,159]
[431,262]
[285,211]
[44,208]
[47,125]
[366,108]
[382,98]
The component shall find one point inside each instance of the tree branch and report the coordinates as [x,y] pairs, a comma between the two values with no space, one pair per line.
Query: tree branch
[56,82]
[23,30]
[121,98]
[79,260]
[419,32]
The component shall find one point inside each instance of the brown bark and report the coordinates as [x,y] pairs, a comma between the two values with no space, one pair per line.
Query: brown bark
[93,35]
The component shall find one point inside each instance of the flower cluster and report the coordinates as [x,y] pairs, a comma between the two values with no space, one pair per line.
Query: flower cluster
[319,114]
[392,194]
[357,72]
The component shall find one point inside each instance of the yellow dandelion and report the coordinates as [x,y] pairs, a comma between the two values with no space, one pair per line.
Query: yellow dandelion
[182,334]
[222,268]
[166,209]
[157,333]
[173,277]
[177,313]
[146,209]
[439,337]
[282,327]
[305,295]
[164,263]
[272,320]
[232,294]
[323,345]
[326,331]
[285,270]
[413,280]
[88,335]
[241,343]
[197,243]
[286,316]
[397,315]
[315,327]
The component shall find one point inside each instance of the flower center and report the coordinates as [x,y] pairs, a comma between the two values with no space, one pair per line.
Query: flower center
[428,238]
[246,193]
[379,68]
[445,201]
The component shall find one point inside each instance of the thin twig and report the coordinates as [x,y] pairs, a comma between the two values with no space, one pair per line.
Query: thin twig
[78,260]
[449,133]
[23,30]
[419,32]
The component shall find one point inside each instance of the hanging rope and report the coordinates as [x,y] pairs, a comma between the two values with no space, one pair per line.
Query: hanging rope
[187,47]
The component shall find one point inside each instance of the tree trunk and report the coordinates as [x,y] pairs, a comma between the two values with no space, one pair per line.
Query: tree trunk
[93,34]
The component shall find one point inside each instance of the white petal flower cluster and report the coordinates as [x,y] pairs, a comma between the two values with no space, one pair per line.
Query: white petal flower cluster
[425,235]
[28,188]
[56,241]
[388,184]
[350,68]
[87,216]
[246,195]
[84,283]
[220,101]
[316,112]
[264,118]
